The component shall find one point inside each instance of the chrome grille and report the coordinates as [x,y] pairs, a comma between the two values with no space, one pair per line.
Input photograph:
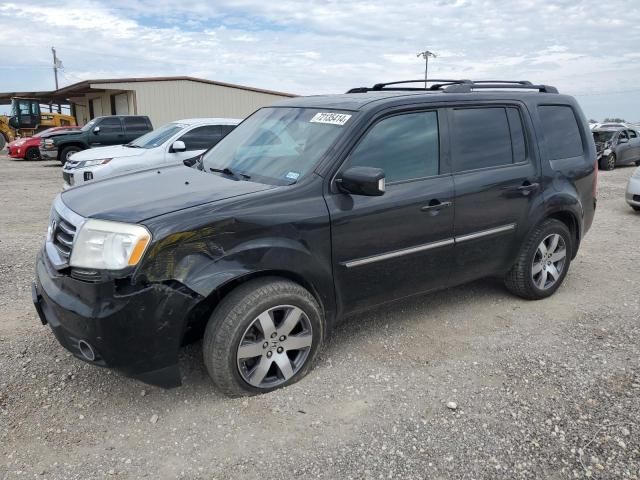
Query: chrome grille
[63,226]
[62,236]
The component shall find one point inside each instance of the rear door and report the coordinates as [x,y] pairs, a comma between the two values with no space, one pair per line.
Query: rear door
[496,179]
[624,149]
[400,243]
[134,127]
[634,142]
[110,133]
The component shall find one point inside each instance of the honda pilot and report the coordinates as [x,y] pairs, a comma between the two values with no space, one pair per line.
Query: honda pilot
[311,210]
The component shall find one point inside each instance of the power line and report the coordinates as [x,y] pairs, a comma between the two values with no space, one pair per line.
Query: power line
[590,94]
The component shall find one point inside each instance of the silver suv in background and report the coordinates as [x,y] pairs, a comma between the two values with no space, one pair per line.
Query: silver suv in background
[170,144]
[616,146]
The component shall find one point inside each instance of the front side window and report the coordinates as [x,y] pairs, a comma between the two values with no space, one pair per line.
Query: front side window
[110,125]
[203,138]
[405,146]
[481,138]
[278,145]
[561,131]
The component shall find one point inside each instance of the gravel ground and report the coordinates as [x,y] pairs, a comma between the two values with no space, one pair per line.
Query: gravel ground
[547,389]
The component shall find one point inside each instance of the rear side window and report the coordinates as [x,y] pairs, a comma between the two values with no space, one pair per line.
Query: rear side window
[110,125]
[481,138]
[136,124]
[405,146]
[561,131]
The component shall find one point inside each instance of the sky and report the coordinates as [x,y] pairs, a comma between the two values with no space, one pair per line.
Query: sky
[586,48]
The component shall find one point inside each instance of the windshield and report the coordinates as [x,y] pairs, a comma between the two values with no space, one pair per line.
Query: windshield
[88,126]
[157,137]
[603,136]
[277,145]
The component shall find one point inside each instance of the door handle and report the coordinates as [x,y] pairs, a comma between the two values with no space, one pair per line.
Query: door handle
[525,189]
[435,205]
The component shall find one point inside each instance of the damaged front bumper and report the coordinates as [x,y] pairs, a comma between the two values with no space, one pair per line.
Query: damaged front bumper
[137,331]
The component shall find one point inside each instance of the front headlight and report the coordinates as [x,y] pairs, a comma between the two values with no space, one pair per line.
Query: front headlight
[93,163]
[102,244]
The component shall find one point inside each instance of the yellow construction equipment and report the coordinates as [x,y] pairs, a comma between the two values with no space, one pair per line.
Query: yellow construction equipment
[27,119]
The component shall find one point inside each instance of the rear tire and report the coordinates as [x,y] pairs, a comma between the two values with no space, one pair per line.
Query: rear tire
[32,154]
[608,163]
[238,322]
[525,279]
[67,152]
[637,209]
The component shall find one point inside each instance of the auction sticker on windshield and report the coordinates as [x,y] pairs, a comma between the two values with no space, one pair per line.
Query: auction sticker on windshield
[332,118]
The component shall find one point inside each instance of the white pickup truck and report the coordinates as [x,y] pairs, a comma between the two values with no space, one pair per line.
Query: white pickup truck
[170,144]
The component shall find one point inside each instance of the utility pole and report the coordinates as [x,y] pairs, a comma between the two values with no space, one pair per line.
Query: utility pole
[426,54]
[56,65]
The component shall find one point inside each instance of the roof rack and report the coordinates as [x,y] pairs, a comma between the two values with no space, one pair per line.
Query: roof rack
[456,86]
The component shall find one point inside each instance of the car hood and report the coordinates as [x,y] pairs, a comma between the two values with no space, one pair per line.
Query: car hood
[114,151]
[142,195]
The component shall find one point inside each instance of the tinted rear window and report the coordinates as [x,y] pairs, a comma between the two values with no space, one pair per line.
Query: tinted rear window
[561,131]
[481,138]
[136,124]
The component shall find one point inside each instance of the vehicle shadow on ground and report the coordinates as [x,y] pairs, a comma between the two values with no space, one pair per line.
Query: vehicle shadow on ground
[400,314]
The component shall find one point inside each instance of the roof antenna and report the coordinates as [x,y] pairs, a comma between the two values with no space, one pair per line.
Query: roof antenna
[426,54]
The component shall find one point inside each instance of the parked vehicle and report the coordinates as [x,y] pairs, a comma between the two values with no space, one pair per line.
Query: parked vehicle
[633,191]
[616,146]
[311,210]
[101,131]
[171,144]
[27,119]
[27,147]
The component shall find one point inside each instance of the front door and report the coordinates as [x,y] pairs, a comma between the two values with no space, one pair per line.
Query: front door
[623,149]
[110,133]
[400,243]
[634,146]
[496,180]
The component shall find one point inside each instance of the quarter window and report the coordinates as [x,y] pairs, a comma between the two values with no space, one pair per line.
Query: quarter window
[632,134]
[561,131]
[405,146]
[481,138]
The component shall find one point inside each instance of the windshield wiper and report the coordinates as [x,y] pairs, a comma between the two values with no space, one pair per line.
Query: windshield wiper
[231,173]
[131,145]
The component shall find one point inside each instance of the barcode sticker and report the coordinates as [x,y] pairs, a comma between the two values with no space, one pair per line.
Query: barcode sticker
[332,118]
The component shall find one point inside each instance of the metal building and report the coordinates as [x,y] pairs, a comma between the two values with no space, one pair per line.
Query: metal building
[163,99]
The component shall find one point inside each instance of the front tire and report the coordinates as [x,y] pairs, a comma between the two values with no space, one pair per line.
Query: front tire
[543,261]
[32,154]
[263,336]
[67,152]
[608,163]
[637,209]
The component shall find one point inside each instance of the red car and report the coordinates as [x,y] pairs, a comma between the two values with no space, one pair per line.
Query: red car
[27,147]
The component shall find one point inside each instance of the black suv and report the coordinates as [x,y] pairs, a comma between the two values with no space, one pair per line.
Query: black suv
[309,211]
[99,132]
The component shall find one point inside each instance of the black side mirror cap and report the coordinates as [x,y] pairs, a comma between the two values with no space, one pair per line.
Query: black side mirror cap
[368,181]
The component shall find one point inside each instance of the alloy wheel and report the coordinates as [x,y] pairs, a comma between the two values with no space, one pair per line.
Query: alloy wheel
[611,162]
[274,347]
[549,261]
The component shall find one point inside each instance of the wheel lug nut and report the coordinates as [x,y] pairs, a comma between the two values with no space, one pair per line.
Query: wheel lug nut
[282,338]
[265,344]
[274,335]
[269,353]
[280,349]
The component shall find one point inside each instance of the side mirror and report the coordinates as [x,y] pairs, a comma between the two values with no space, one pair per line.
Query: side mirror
[96,130]
[178,146]
[367,181]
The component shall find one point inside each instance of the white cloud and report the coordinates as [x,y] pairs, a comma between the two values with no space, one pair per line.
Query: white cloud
[328,46]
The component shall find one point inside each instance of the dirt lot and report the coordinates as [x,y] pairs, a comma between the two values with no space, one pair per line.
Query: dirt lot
[547,389]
